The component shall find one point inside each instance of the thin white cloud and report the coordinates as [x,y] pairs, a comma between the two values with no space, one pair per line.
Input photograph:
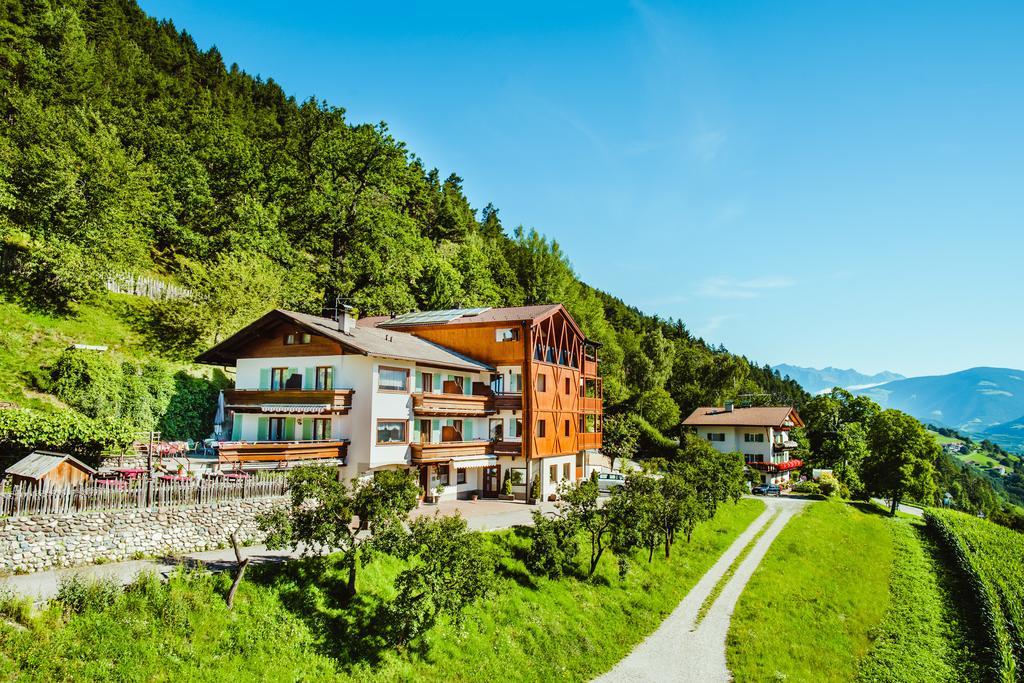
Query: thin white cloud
[707,144]
[712,325]
[728,288]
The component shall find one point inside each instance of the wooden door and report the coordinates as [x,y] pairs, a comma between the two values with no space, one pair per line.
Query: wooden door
[428,383]
[424,431]
[491,481]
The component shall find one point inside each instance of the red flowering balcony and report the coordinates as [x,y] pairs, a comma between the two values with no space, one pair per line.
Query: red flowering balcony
[777,466]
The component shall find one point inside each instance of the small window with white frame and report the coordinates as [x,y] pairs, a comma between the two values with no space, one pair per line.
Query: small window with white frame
[716,436]
[506,334]
[753,438]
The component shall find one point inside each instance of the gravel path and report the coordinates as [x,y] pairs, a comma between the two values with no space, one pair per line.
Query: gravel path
[482,515]
[679,652]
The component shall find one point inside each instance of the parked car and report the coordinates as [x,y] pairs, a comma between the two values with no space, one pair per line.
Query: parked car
[607,481]
[766,490]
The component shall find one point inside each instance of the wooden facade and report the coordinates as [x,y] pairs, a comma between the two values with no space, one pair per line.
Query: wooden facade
[271,343]
[337,401]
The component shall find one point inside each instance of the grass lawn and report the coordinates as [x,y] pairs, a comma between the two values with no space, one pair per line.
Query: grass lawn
[944,439]
[290,625]
[809,609]
[979,458]
[924,617]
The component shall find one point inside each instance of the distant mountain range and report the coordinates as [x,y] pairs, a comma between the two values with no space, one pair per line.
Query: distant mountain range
[985,403]
[816,381]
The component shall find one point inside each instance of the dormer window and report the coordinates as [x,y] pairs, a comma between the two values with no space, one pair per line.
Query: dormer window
[297,338]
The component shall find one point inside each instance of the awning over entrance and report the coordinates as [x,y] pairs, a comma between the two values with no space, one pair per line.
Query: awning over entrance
[466,463]
[294,407]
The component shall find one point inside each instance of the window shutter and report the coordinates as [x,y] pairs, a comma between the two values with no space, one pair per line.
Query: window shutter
[236,428]
[289,429]
[309,381]
[307,429]
[419,381]
[435,426]
[264,378]
[262,428]
[467,430]
[468,386]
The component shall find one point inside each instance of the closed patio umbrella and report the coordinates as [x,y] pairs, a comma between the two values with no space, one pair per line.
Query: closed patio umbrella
[218,418]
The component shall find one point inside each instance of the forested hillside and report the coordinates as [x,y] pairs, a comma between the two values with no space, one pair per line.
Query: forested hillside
[127,149]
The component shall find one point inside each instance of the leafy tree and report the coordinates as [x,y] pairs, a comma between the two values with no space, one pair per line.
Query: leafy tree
[580,504]
[322,515]
[901,460]
[620,438]
[553,543]
[659,409]
[451,569]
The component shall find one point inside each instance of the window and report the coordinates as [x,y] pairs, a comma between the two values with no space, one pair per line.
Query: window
[275,430]
[542,428]
[321,429]
[518,476]
[460,476]
[278,378]
[542,382]
[568,386]
[516,383]
[428,382]
[720,436]
[393,379]
[297,338]
[390,431]
[504,334]
[566,470]
[553,474]
[753,438]
[515,427]
[567,428]
[442,474]
[325,377]
[494,429]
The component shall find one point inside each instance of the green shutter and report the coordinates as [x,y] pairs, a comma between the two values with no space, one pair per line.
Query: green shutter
[262,428]
[468,386]
[419,381]
[307,429]
[264,378]
[309,380]
[289,429]
[435,426]
[467,430]
[236,428]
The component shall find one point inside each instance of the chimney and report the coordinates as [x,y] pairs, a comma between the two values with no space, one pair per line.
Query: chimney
[729,406]
[345,318]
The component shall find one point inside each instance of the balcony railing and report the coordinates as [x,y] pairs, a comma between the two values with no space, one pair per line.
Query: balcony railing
[776,466]
[590,404]
[590,440]
[589,368]
[508,401]
[513,448]
[785,445]
[448,450]
[337,401]
[257,451]
[452,405]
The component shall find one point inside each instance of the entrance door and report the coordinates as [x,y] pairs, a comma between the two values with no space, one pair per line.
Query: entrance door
[491,481]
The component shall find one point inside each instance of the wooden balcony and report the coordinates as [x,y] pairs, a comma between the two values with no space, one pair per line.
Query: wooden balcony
[513,448]
[590,404]
[281,451]
[589,368]
[448,450]
[590,440]
[508,401]
[451,405]
[335,401]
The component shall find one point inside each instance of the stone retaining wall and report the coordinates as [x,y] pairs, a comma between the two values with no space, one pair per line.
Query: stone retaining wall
[30,544]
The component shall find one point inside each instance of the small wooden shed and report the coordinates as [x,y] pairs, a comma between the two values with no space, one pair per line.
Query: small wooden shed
[56,469]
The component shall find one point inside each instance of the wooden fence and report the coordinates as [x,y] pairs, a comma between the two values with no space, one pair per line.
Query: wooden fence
[147,286]
[144,494]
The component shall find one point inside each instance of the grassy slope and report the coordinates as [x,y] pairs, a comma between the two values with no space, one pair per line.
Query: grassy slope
[290,626]
[807,613]
[924,618]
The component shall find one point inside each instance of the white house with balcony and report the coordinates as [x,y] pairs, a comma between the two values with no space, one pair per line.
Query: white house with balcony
[760,433]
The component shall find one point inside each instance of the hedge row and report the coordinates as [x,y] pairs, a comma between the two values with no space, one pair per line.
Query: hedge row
[991,557]
[67,431]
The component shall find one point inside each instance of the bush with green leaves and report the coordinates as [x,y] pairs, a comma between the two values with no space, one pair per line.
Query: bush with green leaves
[23,430]
[553,545]
[451,569]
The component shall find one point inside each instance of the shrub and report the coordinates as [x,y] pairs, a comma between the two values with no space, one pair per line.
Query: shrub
[78,595]
[553,545]
[22,430]
[810,488]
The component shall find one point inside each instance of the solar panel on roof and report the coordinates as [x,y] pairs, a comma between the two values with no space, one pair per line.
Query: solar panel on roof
[426,317]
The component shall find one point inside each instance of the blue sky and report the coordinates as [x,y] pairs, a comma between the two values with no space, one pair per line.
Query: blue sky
[804,182]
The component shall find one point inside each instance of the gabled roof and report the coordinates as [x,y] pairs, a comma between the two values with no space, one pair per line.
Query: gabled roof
[368,341]
[754,416]
[38,464]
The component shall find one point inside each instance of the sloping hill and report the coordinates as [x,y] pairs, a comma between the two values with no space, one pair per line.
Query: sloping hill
[971,401]
[815,381]
[1008,434]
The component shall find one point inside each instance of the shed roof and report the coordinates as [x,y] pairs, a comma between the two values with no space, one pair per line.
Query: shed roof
[754,416]
[38,464]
